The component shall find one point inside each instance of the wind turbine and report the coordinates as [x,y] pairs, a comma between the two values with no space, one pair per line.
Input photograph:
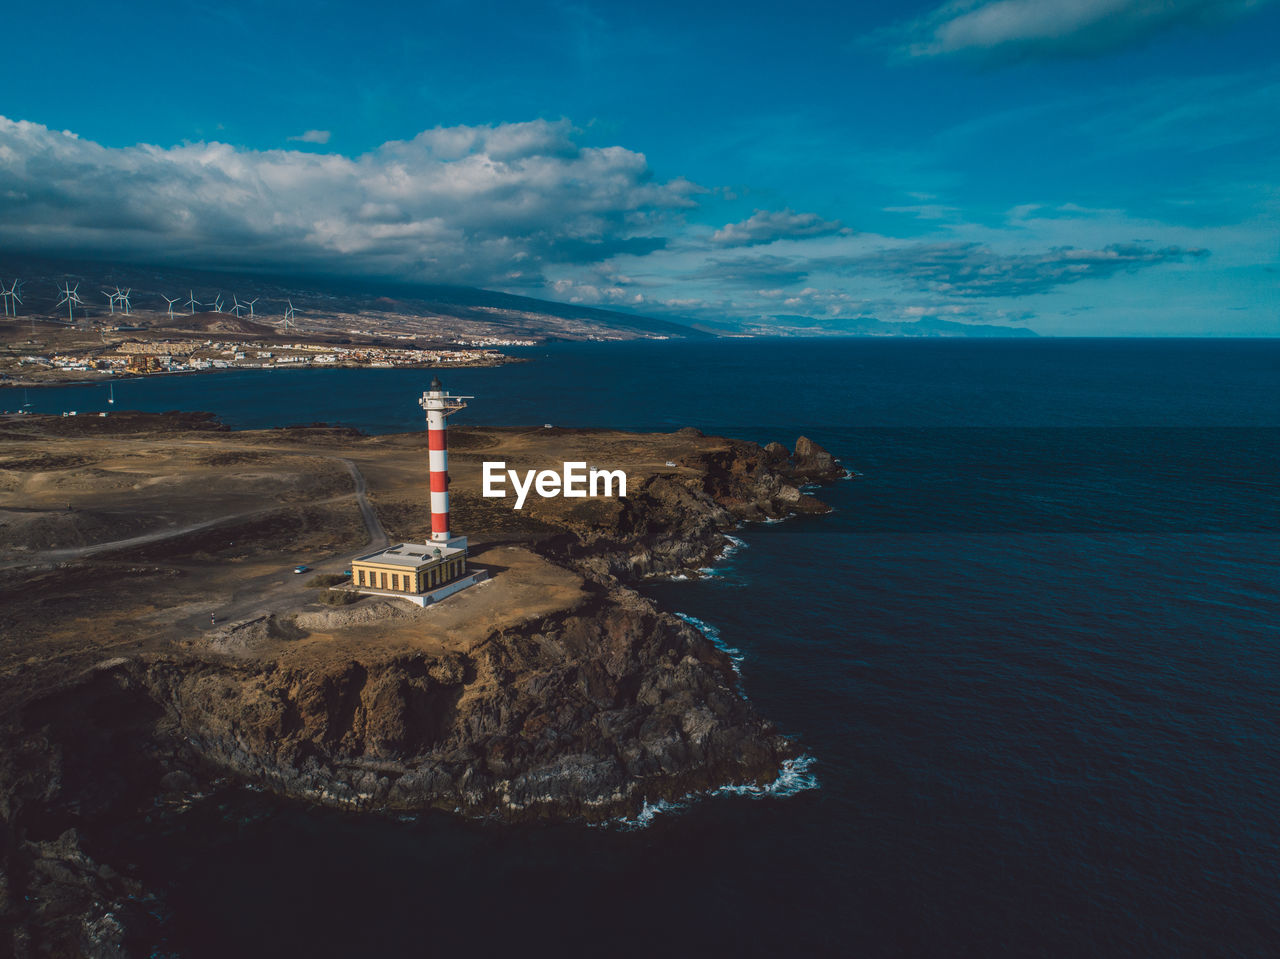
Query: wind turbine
[288,314]
[15,296]
[238,306]
[170,302]
[192,303]
[250,305]
[124,299]
[71,297]
[12,297]
[217,303]
[111,298]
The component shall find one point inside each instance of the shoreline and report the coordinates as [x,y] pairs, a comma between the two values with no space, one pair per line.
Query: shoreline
[583,701]
[107,378]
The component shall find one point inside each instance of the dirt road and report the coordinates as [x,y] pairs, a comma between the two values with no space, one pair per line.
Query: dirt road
[377,535]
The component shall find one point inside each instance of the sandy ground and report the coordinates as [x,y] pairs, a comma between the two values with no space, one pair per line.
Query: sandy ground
[120,535]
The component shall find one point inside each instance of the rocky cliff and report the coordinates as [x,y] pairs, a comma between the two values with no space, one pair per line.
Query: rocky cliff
[676,524]
[585,714]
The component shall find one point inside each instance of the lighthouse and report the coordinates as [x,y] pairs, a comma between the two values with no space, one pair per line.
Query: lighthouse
[438,405]
[424,573]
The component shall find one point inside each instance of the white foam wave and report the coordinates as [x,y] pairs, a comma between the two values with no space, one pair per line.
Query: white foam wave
[713,635]
[795,776]
[732,545]
[647,814]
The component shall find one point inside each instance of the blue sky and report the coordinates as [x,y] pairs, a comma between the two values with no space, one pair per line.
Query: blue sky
[1078,166]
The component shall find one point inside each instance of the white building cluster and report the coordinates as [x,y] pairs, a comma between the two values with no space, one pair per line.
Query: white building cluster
[172,356]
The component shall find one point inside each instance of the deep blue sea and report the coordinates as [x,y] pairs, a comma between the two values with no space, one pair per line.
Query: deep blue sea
[1034,655]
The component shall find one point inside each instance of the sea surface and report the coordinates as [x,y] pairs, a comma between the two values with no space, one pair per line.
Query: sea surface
[1033,656]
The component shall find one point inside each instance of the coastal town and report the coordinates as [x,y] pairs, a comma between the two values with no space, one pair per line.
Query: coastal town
[143,357]
[47,352]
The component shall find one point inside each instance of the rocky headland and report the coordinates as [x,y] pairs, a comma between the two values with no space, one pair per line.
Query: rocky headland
[584,708]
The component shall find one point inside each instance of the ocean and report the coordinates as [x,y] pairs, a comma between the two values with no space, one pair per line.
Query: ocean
[1033,660]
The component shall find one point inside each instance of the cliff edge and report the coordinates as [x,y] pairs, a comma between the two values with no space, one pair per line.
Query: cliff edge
[584,701]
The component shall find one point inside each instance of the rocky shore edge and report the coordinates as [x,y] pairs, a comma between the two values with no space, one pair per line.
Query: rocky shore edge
[591,715]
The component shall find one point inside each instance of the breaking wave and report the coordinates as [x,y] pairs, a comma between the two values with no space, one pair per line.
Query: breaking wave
[648,813]
[795,776]
[732,545]
[713,635]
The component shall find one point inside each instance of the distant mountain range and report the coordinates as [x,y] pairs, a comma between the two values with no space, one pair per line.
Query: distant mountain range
[325,304]
[927,326]
[449,313]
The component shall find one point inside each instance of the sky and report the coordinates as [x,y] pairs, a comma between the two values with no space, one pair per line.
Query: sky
[1078,167]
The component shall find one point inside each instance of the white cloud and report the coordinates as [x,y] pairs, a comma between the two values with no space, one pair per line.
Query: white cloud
[597,294]
[312,136]
[1013,29]
[768,226]
[971,270]
[523,207]
[476,205]
[925,211]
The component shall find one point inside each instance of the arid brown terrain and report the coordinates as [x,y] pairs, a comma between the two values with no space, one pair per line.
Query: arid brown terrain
[154,635]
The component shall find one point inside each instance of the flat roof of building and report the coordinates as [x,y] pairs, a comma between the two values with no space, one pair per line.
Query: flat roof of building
[411,555]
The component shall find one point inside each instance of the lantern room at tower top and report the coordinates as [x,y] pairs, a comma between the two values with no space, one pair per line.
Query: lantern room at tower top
[424,573]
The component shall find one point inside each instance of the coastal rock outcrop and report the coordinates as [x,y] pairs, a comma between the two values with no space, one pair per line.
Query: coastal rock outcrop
[676,522]
[586,714]
[813,463]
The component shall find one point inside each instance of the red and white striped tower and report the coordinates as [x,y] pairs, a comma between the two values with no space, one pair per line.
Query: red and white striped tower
[438,405]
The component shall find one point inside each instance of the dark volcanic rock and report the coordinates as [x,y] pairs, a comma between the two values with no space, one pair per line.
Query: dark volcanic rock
[587,715]
[814,463]
[776,455]
[86,753]
[583,715]
[676,523]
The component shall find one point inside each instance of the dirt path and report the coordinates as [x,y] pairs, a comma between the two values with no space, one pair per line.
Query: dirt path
[378,538]
[265,594]
[377,535]
[272,590]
